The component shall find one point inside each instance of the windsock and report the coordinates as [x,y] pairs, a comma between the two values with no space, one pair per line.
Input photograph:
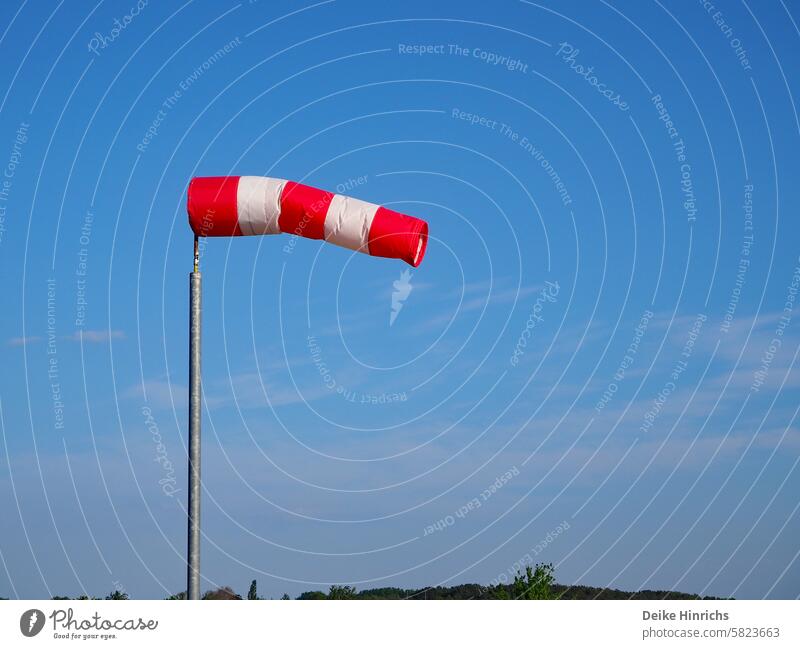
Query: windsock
[231,206]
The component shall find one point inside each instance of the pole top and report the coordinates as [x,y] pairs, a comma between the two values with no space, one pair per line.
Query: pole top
[196,254]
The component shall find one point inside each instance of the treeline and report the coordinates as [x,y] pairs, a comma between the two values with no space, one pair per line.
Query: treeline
[536,582]
[477,591]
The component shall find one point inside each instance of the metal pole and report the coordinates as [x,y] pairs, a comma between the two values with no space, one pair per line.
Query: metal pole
[193,553]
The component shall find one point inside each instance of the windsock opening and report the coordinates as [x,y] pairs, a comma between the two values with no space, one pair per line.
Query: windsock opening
[398,236]
[212,204]
[231,206]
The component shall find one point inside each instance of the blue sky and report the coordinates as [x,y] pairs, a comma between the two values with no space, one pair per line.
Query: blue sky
[612,198]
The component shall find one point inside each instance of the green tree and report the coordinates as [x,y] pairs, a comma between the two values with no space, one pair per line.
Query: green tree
[534,583]
[253,592]
[286,596]
[117,594]
[226,592]
[342,592]
[313,594]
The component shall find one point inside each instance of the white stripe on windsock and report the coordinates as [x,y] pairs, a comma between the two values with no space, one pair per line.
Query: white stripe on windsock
[348,221]
[258,204]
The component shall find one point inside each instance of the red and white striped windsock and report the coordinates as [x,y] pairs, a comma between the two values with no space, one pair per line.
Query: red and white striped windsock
[225,206]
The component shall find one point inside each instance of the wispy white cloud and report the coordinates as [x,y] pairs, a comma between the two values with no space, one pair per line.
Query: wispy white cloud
[21,341]
[474,297]
[504,296]
[97,335]
[251,390]
[158,393]
[88,335]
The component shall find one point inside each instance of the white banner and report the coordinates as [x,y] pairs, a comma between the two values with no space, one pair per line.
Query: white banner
[399,624]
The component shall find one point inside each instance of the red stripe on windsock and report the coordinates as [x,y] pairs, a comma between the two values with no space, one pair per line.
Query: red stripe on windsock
[225,206]
[212,206]
[398,236]
[303,210]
